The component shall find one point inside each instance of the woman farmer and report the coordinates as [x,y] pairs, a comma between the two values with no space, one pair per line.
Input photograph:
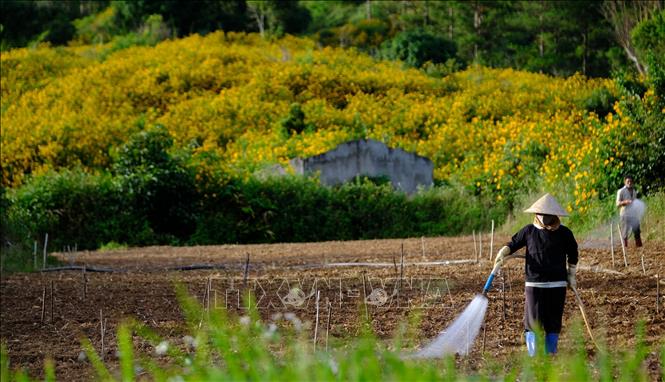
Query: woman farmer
[548,245]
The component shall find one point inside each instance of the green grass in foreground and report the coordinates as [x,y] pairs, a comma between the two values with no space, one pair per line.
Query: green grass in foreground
[225,349]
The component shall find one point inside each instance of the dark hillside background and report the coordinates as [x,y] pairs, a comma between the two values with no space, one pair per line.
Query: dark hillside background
[554,37]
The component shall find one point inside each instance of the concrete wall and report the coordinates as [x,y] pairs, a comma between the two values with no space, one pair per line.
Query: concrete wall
[368,157]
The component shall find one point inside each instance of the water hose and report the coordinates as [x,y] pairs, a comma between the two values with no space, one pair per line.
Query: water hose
[495,270]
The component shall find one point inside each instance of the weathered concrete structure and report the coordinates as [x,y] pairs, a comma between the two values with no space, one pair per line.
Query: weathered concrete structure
[368,157]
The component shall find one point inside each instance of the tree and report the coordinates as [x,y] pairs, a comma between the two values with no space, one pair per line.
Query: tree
[624,16]
[26,21]
[649,36]
[417,47]
[161,188]
[184,16]
[279,17]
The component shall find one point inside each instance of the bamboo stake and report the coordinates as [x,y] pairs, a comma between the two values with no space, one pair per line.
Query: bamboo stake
[43,302]
[450,295]
[52,302]
[205,295]
[657,294]
[244,281]
[316,326]
[422,244]
[503,294]
[34,255]
[45,245]
[85,284]
[644,271]
[480,243]
[101,327]
[328,323]
[484,336]
[475,249]
[208,296]
[612,244]
[364,298]
[340,293]
[492,241]
[401,269]
[623,247]
[395,264]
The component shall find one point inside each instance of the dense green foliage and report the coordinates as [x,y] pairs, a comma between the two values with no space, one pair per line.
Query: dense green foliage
[149,207]
[415,48]
[557,37]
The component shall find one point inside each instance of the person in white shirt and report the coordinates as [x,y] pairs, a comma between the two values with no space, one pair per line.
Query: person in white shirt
[629,222]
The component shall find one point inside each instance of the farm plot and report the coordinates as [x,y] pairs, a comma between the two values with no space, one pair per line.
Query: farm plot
[355,280]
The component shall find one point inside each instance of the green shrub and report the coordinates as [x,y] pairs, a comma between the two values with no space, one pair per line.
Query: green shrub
[74,208]
[601,101]
[160,188]
[417,47]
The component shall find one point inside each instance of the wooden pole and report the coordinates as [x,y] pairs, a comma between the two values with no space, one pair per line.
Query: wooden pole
[101,332]
[475,248]
[623,247]
[45,245]
[492,241]
[644,271]
[85,283]
[328,323]
[422,244]
[52,302]
[401,269]
[612,244]
[480,243]
[657,294]
[244,280]
[43,302]
[586,322]
[206,298]
[395,264]
[450,295]
[316,325]
[503,294]
[365,298]
[484,335]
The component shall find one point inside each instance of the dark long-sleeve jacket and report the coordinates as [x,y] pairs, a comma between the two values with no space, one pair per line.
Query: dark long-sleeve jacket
[546,252]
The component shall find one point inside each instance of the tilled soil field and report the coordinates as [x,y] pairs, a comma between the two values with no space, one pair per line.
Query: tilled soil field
[440,276]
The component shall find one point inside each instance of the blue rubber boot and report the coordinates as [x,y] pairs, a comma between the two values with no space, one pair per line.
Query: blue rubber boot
[551,341]
[530,338]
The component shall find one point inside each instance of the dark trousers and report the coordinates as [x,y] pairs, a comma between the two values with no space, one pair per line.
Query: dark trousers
[543,308]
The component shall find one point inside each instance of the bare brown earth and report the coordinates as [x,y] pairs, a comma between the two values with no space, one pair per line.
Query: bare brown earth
[616,297]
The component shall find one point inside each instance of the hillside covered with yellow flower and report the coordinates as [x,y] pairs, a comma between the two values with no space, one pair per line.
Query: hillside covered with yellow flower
[226,100]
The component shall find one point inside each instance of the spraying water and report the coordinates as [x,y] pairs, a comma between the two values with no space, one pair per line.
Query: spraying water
[635,210]
[598,238]
[460,335]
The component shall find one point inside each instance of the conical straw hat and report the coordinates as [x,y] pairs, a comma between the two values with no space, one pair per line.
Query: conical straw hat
[547,205]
